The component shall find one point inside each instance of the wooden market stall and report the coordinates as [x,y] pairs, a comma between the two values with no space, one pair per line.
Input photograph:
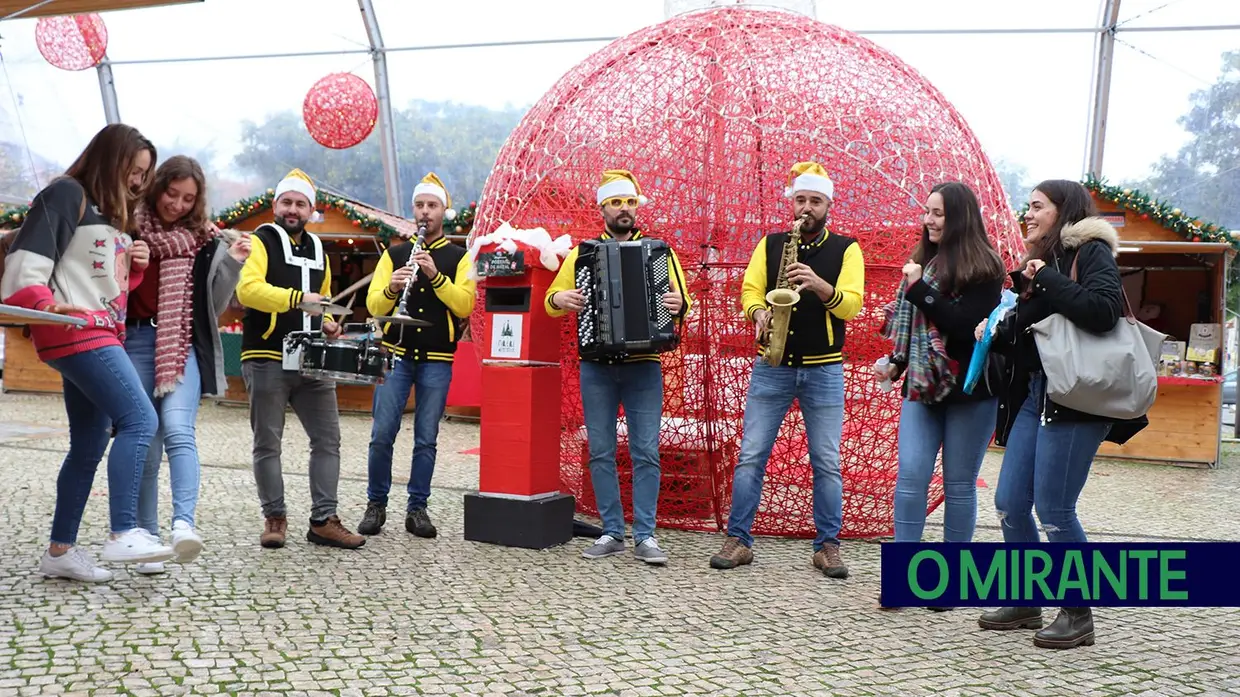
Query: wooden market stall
[1174,270]
[354,236]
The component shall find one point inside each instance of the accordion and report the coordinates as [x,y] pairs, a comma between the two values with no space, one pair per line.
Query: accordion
[623,284]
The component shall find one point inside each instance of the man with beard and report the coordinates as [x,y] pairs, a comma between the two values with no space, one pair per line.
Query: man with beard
[441,293]
[632,380]
[285,272]
[829,275]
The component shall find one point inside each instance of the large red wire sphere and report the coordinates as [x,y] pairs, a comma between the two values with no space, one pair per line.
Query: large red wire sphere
[340,110]
[710,110]
[72,42]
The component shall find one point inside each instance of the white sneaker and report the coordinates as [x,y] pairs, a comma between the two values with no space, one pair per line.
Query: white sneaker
[186,542]
[150,568]
[75,564]
[136,545]
[604,546]
[650,552]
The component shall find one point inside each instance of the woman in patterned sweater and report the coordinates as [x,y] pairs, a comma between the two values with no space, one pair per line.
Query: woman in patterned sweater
[74,256]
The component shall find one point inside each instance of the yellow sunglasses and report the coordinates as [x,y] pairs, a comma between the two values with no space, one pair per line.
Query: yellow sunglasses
[617,202]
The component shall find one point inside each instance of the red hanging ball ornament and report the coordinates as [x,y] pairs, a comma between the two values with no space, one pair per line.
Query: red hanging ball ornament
[340,111]
[75,42]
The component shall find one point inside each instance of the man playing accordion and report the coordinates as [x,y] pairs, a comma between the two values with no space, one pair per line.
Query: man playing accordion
[634,380]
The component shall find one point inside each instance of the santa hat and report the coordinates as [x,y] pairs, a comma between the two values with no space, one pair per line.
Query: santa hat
[619,182]
[299,182]
[432,185]
[809,176]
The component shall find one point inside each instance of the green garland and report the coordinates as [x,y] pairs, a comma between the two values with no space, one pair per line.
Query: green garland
[245,208]
[12,217]
[464,220]
[1164,214]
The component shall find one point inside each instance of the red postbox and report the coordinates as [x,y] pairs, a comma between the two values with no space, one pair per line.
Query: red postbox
[518,502]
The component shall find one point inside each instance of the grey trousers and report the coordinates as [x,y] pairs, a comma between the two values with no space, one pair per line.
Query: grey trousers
[271,389]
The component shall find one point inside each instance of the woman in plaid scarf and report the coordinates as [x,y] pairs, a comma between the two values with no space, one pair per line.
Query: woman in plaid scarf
[953,281]
[173,340]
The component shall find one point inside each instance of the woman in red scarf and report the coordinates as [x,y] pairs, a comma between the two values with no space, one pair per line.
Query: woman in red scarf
[173,339]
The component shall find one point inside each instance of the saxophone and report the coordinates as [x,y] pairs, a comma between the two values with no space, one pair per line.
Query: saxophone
[782,298]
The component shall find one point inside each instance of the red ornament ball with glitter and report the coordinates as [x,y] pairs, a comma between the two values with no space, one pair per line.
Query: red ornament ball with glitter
[340,111]
[710,110]
[75,42]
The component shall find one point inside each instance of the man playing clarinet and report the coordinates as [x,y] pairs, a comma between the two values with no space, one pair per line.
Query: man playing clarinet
[633,380]
[426,278]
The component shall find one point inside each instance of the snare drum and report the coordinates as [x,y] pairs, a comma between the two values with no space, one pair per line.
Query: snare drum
[351,361]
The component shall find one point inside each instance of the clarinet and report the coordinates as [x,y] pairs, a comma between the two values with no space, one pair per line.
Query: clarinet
[417,247]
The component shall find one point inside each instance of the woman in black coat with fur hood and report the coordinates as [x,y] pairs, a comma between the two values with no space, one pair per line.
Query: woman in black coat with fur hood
[1049,448]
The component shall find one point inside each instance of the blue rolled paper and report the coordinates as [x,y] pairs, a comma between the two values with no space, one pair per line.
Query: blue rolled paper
[977,364]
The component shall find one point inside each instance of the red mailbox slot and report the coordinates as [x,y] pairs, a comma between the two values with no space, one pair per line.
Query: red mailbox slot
[516,322]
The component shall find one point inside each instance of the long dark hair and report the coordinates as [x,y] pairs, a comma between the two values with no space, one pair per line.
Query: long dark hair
[175,169]
[1072,204]
[966,254]
[103,171]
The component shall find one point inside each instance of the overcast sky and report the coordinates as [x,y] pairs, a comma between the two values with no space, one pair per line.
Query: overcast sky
[1026,97]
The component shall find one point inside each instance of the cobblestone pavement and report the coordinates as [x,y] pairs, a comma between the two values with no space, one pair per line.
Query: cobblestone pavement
[409,616]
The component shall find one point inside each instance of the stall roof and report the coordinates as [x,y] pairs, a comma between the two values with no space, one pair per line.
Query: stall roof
[33,8]
[1152,247]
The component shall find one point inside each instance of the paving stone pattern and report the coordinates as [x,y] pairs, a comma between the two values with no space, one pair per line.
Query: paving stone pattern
[406,616]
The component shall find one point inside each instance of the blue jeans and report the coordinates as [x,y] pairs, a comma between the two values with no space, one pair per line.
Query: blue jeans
[178,414]
[820,391]
[1044,468]
[639,387]
[430,381]
[101,388]
[963,430]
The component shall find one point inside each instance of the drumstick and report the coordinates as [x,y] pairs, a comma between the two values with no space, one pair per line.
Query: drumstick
[353,287]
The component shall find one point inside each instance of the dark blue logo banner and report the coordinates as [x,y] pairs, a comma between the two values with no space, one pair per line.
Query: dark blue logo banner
[1096,574]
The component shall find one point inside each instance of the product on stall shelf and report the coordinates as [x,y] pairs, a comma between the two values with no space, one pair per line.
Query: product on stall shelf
[1205,341]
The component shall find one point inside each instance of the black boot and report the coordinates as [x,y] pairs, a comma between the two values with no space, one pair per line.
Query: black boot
[1011,618]
[1072,628]
[418,522]
[373,520]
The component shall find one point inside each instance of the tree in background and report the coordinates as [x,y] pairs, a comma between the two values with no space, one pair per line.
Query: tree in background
[458,142]
[1203,178]
[1015,181]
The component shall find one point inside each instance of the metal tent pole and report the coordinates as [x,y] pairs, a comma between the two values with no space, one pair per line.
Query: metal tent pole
[1102,86]
[387,133]
[107,88]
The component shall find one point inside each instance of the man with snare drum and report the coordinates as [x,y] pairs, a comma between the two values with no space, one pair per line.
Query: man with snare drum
[285,278]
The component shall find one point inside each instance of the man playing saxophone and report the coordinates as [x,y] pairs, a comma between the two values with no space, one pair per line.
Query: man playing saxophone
[800,289]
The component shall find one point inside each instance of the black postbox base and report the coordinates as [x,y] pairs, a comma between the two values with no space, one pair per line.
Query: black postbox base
[536,524]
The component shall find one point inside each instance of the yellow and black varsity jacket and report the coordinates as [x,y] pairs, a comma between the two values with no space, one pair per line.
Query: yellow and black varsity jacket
[816,328]
[445,301]
[276,275]
[566,279]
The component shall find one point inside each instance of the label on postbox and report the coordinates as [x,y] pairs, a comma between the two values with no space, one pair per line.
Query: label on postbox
[506,335]
[500,263]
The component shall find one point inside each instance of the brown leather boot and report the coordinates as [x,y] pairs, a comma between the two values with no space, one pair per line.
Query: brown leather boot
[733,554]
[333,533]
[273,532]
[829,562]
